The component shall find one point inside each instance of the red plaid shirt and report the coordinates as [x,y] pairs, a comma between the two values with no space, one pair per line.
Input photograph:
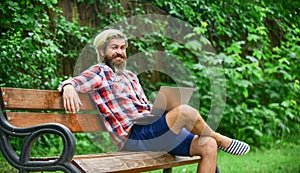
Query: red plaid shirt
[120,98]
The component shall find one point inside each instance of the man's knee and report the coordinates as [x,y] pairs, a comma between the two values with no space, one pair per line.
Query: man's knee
[211,147]
[205,147]
[183,116]
[190,116]
[188,112]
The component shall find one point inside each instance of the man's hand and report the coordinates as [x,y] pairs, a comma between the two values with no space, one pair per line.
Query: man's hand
[71,99]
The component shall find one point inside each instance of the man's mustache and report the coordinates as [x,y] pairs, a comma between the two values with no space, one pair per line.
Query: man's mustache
[119,55]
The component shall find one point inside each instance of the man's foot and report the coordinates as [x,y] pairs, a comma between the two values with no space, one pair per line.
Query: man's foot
[236,148]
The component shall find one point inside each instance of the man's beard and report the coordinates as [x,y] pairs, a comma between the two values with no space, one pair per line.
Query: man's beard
[117,68]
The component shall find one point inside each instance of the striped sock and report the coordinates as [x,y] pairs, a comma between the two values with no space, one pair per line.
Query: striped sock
[237,148]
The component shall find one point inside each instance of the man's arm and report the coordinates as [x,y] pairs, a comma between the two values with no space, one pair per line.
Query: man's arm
[71,99]
[85,82]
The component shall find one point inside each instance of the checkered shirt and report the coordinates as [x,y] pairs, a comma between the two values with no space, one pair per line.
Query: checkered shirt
[120,98]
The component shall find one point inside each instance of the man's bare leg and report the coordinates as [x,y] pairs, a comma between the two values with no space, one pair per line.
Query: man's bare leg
[187,117]
[206,147]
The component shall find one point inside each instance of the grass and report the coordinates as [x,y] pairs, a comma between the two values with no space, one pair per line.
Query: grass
[281,158]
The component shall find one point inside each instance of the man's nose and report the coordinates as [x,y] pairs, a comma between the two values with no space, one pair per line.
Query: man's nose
[119,51]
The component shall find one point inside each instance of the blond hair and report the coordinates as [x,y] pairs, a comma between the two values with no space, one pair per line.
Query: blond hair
[102,40]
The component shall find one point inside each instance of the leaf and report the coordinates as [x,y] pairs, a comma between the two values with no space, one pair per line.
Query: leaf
[194,44]
[251,58]
[253,37]
[285,103]
[190,35]
[235,47]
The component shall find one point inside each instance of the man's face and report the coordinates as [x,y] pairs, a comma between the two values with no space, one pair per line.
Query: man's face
[115,54]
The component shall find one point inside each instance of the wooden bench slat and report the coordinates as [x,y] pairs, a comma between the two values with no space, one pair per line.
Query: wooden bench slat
[108,154]
[19,98]
[131,162]
[75,122]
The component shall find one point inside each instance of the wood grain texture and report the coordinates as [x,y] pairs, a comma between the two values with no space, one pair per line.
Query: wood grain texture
[29,107]
[19,98]
[131,162]
[75,122]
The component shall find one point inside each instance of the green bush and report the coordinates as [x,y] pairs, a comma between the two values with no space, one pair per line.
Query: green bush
[257,44]
[35,36]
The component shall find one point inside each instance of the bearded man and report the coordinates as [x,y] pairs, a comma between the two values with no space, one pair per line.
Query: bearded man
[120,99]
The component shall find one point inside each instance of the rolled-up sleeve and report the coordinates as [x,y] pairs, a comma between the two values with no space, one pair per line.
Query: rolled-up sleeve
[86,81]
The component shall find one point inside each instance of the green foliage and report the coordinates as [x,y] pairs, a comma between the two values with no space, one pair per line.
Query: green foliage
[26,51]
[258,44]
[32,37]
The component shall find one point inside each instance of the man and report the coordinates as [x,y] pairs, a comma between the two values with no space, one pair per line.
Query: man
[120,99]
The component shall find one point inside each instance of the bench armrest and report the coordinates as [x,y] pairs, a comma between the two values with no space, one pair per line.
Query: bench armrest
[23,161]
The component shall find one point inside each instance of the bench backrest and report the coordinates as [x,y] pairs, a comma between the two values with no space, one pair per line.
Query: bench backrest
[28,107]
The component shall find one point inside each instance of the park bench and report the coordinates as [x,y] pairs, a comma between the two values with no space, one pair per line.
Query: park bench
[30,113]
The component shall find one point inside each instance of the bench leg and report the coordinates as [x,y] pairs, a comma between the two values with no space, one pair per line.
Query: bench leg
[168,170]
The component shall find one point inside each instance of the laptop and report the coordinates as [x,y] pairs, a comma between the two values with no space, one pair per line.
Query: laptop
[167,99]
